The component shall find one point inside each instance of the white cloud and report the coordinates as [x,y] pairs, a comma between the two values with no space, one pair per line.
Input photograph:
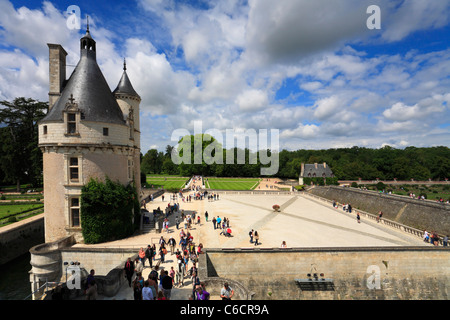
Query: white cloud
[227,61]
[413,15]
[422,110]
[162,89]
[329,106]
[308,131]
[252,100]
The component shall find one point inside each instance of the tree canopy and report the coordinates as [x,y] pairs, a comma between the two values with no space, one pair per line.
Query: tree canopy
[386,163]
[20,158]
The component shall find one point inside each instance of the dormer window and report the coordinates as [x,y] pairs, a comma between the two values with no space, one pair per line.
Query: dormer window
[72,117]
[71,123]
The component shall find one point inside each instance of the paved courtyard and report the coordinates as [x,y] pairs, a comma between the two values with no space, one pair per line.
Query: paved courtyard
[301,222]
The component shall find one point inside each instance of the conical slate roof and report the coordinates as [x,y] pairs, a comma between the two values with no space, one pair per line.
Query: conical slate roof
[90,90]
[124,85]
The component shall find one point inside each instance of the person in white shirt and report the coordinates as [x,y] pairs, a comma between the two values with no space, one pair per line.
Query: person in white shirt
[147,293]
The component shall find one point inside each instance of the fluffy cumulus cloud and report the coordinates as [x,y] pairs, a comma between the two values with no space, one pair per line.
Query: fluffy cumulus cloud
[311,69]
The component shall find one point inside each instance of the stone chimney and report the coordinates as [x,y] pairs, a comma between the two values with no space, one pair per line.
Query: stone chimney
[57,72]
[324,165]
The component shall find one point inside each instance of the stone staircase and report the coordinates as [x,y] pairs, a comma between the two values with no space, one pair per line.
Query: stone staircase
[148,227]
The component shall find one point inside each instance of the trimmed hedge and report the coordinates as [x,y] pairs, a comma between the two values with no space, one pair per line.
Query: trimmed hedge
[108,210]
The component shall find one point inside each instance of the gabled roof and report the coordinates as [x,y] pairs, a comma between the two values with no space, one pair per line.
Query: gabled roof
[316,170]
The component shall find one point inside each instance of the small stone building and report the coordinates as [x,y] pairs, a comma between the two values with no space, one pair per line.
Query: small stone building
[88,132]
[314,170]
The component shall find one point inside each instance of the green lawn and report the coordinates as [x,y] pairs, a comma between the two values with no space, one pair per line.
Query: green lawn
[11,209]
[232,183]
[167,182]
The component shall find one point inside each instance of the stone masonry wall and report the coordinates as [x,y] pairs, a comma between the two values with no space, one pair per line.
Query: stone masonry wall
[404,273]
[17,239]
[419,214]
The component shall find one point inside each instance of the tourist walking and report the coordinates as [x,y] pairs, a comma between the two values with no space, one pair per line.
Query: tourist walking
[172,244]
[147,293]
[142,256]
[153,252]
[218,221]
[380,214]
[256,238]
[162,253]
[206,216]
[129,270]
[137,290]
[358,218]
[138,265]
[426,236]
[195,284]
[167,283]
[214,222]
[153,282]
[227,292]
[250,234]
[149,255]
[445,241]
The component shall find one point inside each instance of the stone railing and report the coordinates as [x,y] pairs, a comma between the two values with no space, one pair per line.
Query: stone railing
[253,192]
[373,217]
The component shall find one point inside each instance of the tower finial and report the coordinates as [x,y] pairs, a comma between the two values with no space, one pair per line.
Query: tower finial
[124,64]
[87,23]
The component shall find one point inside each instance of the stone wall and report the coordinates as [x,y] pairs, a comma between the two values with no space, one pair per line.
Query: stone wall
[16,239]
[403,273]
[103,260]
[419,214]
[53,262]
[107,263]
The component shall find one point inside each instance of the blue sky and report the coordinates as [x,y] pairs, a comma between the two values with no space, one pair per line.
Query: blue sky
[310,69]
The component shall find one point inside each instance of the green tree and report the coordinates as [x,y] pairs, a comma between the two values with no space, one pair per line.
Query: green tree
[21,159]
[152,162]
[168,167]
[195,154]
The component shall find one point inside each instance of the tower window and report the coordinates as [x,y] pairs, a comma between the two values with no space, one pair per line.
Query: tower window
[75,211]
[74,170]
[71,123]
[45,129]
[106,131]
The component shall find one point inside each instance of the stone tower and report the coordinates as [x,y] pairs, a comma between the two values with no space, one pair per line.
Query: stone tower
[88,132]
[129,102]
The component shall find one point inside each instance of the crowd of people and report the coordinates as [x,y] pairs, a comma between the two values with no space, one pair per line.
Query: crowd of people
[160,282]
[433,238]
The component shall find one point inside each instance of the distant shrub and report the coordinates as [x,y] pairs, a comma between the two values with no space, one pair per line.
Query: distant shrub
[380,186]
